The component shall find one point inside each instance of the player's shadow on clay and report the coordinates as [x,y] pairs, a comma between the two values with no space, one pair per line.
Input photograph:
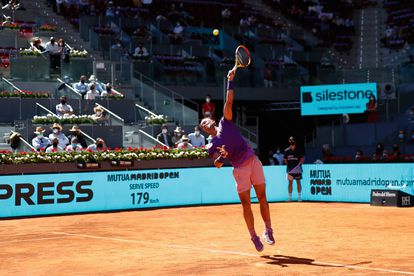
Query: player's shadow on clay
[285,261]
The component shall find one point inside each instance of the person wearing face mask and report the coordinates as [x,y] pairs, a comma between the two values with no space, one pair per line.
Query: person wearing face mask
[208,108]
[76,132]
[58,134]
[165,137]
[98,146]
[196,138]
[100,117]
[185,143]
[40,142]
[63,108]
[108,91]
[82,87]
[278,156]
[372,110]
[178,133]
[55,146]
[74,145]
[294,159]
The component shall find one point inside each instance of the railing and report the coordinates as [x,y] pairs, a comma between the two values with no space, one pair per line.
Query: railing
[113,118]
[73,92]
[87,136]
[144,142]
[249,135]
[38,105]
[11,85]
[165,101]
[146,110]
[27,144]
[141,112]
[118,73]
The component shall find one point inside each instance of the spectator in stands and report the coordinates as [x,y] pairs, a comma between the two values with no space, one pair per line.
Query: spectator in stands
[82,87]
[396,152]
[278,156]
[372,110]
[64,50]
[146,2]
[271,158]
[140,52]
[410,61]
[92,94]
[225,14]
[108,91]
[74,145]
[36,45]
[99,145]
[100,115]
[196,138]
[411,115]
[54,55]
[110,10]
[75,132]
[58,134]
[185,143]
[93,80]
[63,108]
[40,142]
[177,34]
[267,76]
[326,152]
[117,45]
[401,136]
[55,146]
[142,32]
[208,108]
[389,33]
[165,137]
[359,155]
[379,152]
[178,133]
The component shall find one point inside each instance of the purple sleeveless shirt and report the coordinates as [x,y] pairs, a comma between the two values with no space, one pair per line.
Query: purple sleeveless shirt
[228,134]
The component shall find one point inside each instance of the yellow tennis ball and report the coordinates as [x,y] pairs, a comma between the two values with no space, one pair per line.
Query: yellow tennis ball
[216,32]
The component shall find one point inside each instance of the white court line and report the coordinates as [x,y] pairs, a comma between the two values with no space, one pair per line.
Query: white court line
[225,252]
[29,240]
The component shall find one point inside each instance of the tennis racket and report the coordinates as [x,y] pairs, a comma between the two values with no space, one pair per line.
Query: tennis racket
[242,57]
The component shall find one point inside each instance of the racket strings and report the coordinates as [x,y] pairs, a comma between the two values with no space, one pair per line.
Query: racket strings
[243,57]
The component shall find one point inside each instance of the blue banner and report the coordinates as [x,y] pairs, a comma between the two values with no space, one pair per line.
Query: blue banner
[336,99]
[27,195]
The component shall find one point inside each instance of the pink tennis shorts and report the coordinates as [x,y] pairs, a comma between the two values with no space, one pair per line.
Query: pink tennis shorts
[248,174]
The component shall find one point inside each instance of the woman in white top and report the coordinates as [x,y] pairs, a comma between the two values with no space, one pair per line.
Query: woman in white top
[92,94]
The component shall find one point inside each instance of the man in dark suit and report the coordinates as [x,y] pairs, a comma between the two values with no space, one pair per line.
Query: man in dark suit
[165,137]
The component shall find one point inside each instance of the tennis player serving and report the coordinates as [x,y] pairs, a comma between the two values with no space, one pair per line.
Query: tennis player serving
[227,143]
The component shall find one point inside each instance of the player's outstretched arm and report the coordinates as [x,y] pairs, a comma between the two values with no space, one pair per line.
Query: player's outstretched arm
[228,105]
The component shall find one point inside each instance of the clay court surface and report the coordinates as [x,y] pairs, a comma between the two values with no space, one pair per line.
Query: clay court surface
[312,239]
